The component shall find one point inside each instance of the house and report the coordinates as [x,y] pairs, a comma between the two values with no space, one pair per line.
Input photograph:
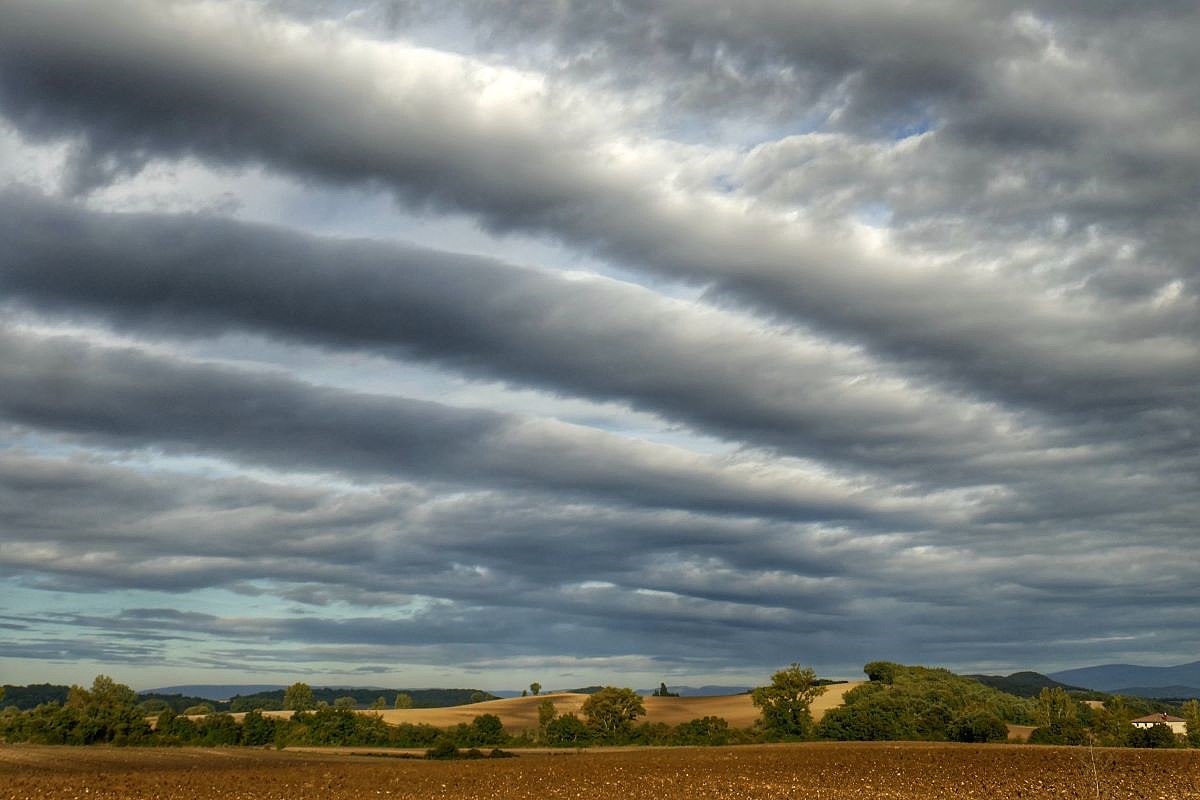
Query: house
[1176,724]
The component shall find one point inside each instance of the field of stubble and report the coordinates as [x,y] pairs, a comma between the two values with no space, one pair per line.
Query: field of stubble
[845,771]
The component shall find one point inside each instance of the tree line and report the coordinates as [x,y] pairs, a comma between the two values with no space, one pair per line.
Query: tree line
[898,702]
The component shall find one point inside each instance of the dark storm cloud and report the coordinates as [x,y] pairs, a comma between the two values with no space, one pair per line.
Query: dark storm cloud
[76,519]
[596,339]
[960,239]
[127,399]
[514,573]
[432,138]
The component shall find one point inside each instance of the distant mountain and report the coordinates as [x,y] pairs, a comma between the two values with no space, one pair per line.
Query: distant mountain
[1119,677]
[215,691]
[1022,684]
[1161,692]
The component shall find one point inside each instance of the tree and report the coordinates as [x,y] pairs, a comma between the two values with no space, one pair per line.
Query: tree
[1110,724]
[546,712]
[785,703]
[198,710]
[1154,736]
[1057,715]
[1191,712]
[567,730]
[299,697]
[611,710]
[379,704]
[487,729]
[1055,706]
[403,700]
[153,707]
[345,702]
[257,729]
[536,688]
[978,726]
[663,691]
[881,671]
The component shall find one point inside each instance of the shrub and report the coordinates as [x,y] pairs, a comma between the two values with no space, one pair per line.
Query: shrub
[1155,736]
[443,748]
[978,726]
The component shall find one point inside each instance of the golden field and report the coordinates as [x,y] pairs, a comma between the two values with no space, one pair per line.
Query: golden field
[520,713]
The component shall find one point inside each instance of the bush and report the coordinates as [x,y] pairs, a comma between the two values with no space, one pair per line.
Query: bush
[979,726]
[198,710]
[567,731]
[1156,736]
[443,748]
[703,731]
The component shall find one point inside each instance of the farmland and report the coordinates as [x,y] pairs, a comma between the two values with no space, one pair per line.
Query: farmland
[892,771]
[520,713]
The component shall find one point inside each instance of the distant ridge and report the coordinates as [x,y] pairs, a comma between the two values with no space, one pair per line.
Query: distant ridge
[1022,684]
[1120,677]
[1161,692]
[216,691]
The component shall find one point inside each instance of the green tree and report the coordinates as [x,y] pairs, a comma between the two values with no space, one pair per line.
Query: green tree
[1055,706]
[704,731]
[978,726]
[299,697]
[546,712]
[567,730]
[535,688]
[220,730]
[1110,724]
[380,703]
[257,729]
[198,710]
[403,700]
[1191,712]
[153,707]
[1057,715]
[345,702]
[487,729]
[785,704]
[1154,736]
[611,711]
[881,671]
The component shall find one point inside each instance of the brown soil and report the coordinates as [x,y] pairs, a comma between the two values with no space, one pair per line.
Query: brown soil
[846,771]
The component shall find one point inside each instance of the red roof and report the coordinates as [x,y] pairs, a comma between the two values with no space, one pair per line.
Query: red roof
[1158,718]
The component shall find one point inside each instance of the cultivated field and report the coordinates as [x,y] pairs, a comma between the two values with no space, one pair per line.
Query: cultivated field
[520,713]
[845,771]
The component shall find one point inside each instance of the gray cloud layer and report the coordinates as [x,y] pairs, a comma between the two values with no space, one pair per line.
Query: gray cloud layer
[430,138]
[950,313]
[596,339]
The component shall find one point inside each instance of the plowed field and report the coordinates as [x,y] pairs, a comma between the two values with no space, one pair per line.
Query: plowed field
[811,771]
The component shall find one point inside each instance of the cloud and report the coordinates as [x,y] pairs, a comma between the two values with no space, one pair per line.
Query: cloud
[125,399]
[819,330]
[453,133]
[598,339]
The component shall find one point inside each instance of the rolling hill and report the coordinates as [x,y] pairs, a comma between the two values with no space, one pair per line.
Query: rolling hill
[520,713]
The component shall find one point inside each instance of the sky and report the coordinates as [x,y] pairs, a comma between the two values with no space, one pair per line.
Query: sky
[412,343]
